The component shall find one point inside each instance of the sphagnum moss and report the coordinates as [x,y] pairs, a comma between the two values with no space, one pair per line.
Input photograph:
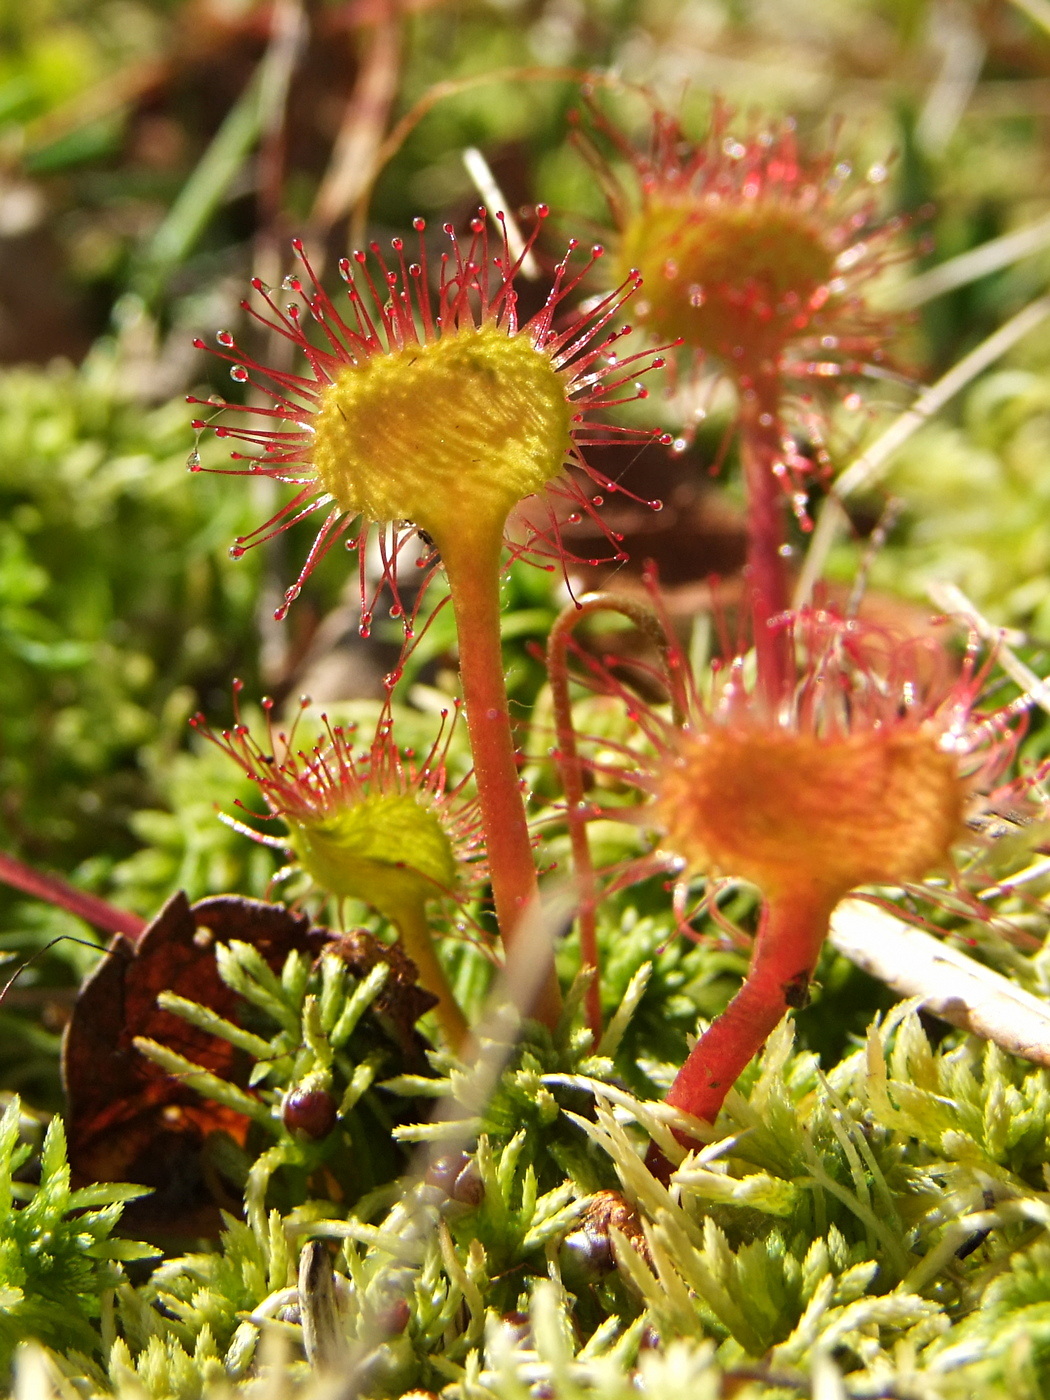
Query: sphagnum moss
[844,1224]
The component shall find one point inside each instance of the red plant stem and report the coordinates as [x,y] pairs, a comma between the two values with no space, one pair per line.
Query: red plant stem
[472,565]
[790,936]
[761,450]
[568,760]
[57,891]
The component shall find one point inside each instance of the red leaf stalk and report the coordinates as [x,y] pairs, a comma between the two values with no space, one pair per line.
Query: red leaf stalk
[571,770]
[63,895]
[439,414]
[761,454]
[473,569]
[863,772]
[787,946]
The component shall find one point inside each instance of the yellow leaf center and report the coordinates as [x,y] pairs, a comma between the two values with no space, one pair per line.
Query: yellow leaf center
[387,851]
[780,809]
[449,436]
[732,279]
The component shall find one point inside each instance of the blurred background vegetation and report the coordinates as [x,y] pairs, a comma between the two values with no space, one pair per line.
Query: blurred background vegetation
[154,154]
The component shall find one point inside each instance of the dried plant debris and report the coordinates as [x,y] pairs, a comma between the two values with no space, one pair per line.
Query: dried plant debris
[135,1116]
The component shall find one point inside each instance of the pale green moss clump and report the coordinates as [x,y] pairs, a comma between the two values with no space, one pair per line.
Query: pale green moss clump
[882,1228]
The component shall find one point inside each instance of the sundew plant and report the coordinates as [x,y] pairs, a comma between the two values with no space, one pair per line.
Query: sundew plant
[524,831]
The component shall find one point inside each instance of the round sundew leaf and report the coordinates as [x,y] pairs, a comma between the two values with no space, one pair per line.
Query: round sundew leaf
[386,849]
[737,281]
[449,435]
[874,807]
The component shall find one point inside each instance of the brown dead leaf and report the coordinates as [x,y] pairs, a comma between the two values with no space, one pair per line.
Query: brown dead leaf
[129,1120]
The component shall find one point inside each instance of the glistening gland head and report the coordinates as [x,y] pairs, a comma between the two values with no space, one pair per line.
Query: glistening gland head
[432,412]
[751,250]
[862,772]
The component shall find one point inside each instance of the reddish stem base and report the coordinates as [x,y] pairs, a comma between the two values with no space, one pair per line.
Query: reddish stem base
[793,928]
[569,766]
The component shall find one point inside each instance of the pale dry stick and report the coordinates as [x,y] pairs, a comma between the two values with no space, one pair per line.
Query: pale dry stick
[452,87]
[954,601]
[952,986]
[979,262]
[414,1219]
[1036,10]
[826,1380]
[872,463]
[511,999]
[289,35]
[36,1376]
[1038,870]
[963,52]
[492,198]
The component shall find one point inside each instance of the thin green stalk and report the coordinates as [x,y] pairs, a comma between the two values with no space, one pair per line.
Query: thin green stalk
[418,942]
